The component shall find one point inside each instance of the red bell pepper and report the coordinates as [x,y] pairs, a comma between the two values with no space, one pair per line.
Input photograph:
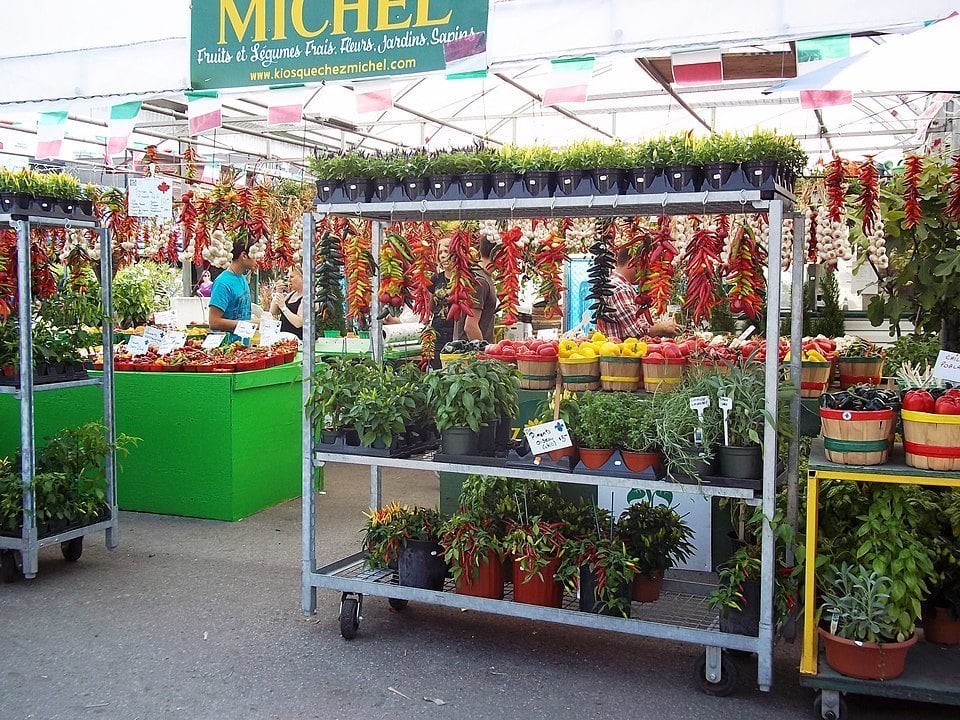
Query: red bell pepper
[918,401]
[948,405]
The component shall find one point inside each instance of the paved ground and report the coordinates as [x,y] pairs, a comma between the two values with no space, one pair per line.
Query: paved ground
[198,619]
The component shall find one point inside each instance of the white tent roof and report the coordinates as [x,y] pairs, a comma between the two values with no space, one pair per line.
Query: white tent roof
[88,56]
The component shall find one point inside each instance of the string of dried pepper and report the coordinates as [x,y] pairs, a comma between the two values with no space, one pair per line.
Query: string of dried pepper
[395,258]
[123,228]
[461,279]
[869,194]
[836,184]
[428,346]
[508,261]
[744,272]
[549,261]
[659,285]
[422,241]
[812,235]
[701,264]
[952,210]
[912,167]
[355,247]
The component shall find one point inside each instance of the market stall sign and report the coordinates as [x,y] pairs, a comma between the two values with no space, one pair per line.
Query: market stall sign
[247,43]
[150,197]
[137,345]
[269,331]
[947,366]
[153,335]
[548,436]
[244,329]
[213,340]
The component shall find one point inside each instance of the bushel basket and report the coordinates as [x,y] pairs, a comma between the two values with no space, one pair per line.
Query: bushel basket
[857,370]
[931,442]
[814,378]
[621,373]
[537,374]
[580,374]
[662,375]
[857,437]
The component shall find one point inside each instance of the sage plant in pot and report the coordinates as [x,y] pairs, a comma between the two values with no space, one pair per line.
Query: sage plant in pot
[659,539]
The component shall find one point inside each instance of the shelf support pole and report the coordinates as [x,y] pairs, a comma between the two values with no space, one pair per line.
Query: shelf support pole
[796,336]
[308,529]
[112,538]
[376,346]
[27,445]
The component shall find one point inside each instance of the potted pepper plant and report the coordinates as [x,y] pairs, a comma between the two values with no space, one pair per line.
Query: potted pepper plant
[537,548]
[604,570]
[461,400]
[471,549]
[658,538]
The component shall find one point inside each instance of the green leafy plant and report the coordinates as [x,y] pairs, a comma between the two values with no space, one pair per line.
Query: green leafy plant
[677,425]
[656,536]
[388,528]
[600,421]
[641,426]
[535,544]
[460,397]
[509,500]
[857,601]
[721,147]
[745,385]
[830,322]
[917,350]
[613,567]
[140,289]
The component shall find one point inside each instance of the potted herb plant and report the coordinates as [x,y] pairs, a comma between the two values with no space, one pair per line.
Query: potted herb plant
[537,548]
[461,401]
[599,426]
[640,437]
[679,158]
[720,155]
[686,444]
[740,454]
[471,549]
[504,381]
[659,539]
[379,415]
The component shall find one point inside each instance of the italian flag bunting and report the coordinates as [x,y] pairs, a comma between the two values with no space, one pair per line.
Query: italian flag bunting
[373,96]
[50,131]
[203,111]
[285,104]
[815,53]
[123,118]
[569,81]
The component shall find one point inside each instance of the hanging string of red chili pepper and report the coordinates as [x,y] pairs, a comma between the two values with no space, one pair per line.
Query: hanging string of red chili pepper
[744,272]
[836,184]
[191,171]
[912,167]
[812,235]
[952,210]
[549,261]
[358,265]
[281,252]
[659,285]
[8,272]
[639,243]
[509,261]
[123,228]
[201,230]
[869,198]
[422,241]
[461,279]
[701,264]
[428,346]
[395,258]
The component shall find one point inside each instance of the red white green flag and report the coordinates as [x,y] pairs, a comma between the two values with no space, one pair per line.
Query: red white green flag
[569,81]
[203,111]
[815,53]
[123,118]
[373,96]
[50,131]
[285,104]
[698,67]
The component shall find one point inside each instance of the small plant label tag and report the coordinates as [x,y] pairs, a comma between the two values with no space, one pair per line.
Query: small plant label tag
[269,331]
[547,334]
[834,622]
[700,403]
[137,345]
[245,329]
[947,366]
[213,340]
[177,338]
[548,436]
[726,404]
[673,309]
[165,317]
[153,335]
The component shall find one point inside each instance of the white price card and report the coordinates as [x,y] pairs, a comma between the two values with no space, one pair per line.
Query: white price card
[700,403]
[245,329]
[548,436]
[947,366]
[153,335]
[137,345]
[176,338]
[165,317]
[726,403]
[166,347]
[673,309]
[213,340]
[149,197]
[269,331]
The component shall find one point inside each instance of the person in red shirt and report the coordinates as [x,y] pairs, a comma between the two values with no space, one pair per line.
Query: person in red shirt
[625,320]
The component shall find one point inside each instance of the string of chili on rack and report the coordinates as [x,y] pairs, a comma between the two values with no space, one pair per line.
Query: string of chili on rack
[662,269]
[508,261]
[462,282]
[702,263]
[952,210]
[638,242]
[744,272]
[395,259]
[358,263]
[912,167]
[549,261]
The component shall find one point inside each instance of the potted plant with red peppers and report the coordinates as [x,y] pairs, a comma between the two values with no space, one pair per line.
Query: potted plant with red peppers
[603,569]
[537,548]
[471,549]
[659,539]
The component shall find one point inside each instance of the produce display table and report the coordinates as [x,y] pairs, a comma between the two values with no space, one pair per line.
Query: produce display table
[933,672]
[212,445]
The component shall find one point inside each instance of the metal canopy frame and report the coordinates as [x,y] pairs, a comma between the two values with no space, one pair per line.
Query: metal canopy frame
[341,575]
[28,544]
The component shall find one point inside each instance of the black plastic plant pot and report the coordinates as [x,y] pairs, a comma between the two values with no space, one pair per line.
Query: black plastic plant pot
[22,201]
[7,202]
[760,173]
[46,204]
[352,437]
[504,432]
[746,621]
[486,438]
[573,183]
[539,183]
[85,208]
[503,185]
[356,190]
[475,186]
[646,180]
[588,595]
[744,462]
[415,188]
[459,441]
[444,187]
[326,189]
[68,207]
[388,190]
[721,176]
[329,436]
[684,178]
[607,181]
[421,565]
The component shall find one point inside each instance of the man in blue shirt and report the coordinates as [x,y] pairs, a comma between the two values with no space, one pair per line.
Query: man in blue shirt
[230,296]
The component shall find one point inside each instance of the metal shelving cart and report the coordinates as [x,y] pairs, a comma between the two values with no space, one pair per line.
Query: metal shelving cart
[28,545]
[681,614]
[933,672]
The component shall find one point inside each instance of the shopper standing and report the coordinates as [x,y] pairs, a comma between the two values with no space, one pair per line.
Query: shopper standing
[289,307]
[230,296]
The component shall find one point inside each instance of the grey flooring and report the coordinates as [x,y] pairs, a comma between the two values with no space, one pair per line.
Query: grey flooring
[200,619]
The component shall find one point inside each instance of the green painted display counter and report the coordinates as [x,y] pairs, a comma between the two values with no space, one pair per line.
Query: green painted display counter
[218,446]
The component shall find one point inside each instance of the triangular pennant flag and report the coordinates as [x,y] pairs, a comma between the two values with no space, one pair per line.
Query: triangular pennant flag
[285,104]
[50,132]
[474,75]
[373,96]
[697,67]
[815,53]
[569,81]
[466,54]
[123,118]
[203,111]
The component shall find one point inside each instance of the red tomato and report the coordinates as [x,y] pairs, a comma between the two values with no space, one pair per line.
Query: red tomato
[953,392]
[508,351]
[947,405]
[491,350]
[653,357]
[687,346]
[919,401]
[671,350]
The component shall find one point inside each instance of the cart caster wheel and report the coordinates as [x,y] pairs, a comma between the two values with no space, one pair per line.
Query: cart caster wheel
[349,617]
[398,604]
[72,549]
[9,571]
[839,714]
[728,676]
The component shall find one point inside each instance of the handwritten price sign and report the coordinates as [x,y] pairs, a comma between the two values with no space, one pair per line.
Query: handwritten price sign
[547,437]
[948,366]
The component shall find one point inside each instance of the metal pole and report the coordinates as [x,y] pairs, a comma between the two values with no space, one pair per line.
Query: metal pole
[376,347]
[308,561]
[109,415]
[27,458]
[767,549]
[796,332]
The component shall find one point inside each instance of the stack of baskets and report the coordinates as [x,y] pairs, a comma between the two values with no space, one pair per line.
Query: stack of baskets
[856,370]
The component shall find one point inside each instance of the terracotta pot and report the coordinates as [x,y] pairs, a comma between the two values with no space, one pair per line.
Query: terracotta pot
[865,660]
[647,588]
[939,626]
[594,458]
[489,580]
[556,455]
[638,462]
[538,589]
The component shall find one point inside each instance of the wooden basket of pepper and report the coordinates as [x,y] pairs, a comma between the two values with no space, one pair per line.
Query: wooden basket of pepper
[858,425]
[662,374]
[931,429]
[859,370]
[621,373]
[580,374]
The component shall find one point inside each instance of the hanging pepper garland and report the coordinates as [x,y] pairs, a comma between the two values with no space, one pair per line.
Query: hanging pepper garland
[113,211]
[428,346]
[395,259]
[600,270]
[422,241]
[639,243]
[462,282]
[912,167]
[836,184]
[701,263]
[744,272]
[952,210]
[549,261]
[659,285]
[509,261]
[327,292]
[869,195]
[358,267]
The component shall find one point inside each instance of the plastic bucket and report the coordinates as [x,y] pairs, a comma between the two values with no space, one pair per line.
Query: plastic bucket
[852,437]
[931,441]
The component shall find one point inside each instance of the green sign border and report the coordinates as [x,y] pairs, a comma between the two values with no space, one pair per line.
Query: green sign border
[254,43]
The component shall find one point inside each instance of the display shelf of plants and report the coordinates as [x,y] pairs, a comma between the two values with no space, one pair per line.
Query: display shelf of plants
[26,193]
[67,489]
[356,412]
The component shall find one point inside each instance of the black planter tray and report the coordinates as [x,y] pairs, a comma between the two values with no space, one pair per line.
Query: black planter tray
[20,205]
[61,526]
[529,460]
[77,372]
[400,449]
[574,183]
[388,190]
[487,460]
